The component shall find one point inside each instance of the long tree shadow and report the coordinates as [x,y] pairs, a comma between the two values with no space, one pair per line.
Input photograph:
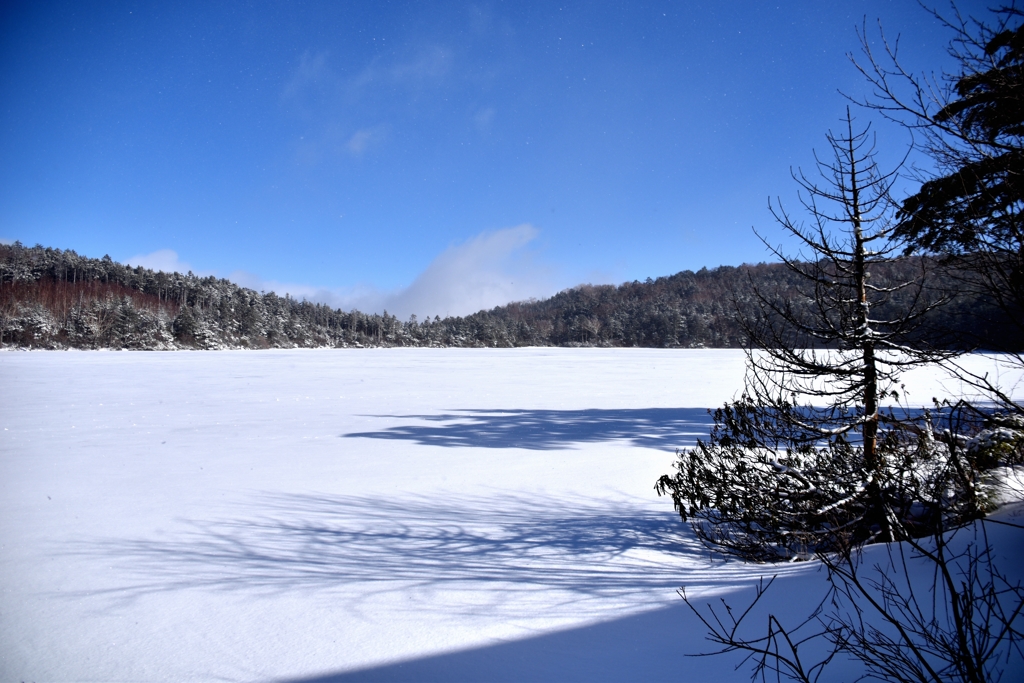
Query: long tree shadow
[472,543]
[660,428]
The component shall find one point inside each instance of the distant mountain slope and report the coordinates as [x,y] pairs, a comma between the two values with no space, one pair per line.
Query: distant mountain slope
[51,298]
[708,307]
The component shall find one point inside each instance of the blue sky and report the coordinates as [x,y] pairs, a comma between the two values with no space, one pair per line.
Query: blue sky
[431,158]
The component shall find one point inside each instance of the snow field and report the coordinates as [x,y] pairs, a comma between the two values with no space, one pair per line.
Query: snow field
[377,514]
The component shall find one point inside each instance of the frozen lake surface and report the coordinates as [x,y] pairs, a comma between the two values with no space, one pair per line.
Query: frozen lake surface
[399,514]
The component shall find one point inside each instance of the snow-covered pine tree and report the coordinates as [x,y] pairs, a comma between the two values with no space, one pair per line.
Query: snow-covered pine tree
[808,460]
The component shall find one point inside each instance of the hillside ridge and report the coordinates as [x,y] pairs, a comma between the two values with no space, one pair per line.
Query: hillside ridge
[53,298]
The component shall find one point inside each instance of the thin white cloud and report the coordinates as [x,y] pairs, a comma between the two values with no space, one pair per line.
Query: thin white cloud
[428,65]
[323,98]
[311,73]
[254,282]
[431,63]
[163,259]
[314,77]
[364,138]
[484,118]
[492,269]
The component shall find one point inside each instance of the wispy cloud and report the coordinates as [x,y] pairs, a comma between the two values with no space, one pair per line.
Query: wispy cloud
[315,85]
[431,63]
[163,259]
[484,118]
[312,73]
[256,283]
[492,269]
[364,138]
[425,66]
[168,261]
[329,102]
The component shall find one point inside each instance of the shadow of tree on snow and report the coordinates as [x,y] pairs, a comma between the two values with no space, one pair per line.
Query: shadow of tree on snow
[469,543]
[660,428]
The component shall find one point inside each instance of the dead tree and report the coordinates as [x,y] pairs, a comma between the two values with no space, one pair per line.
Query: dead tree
[808,459]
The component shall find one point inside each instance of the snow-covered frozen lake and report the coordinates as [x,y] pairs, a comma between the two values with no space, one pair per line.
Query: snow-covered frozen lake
[401,514]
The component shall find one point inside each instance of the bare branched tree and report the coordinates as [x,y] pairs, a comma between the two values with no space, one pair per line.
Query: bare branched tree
[780,652]
[782,476]
[931,609]
[807,459]
[970,206]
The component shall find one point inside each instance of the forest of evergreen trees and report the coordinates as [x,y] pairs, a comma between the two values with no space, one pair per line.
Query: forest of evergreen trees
[54,299]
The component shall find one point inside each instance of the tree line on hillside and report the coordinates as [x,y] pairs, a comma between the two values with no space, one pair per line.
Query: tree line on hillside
[53,298]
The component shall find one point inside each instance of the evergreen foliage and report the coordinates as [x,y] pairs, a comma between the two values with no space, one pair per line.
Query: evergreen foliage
[970,207]
[807,461]
[979,199]
[778,479]
[51,298]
